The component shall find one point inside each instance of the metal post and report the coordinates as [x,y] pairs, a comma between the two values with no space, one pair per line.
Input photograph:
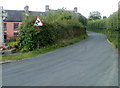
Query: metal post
[1,27]
[1,41]
[3,16]
[119,5]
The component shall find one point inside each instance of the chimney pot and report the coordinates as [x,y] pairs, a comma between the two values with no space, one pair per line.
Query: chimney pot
[75,9]
[26,8]
[47,8]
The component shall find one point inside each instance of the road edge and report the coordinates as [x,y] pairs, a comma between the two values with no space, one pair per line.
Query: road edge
[8,61]
[116,50]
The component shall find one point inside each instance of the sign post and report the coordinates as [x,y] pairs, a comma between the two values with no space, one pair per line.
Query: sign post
[38,23]
[1,27]
[3,15]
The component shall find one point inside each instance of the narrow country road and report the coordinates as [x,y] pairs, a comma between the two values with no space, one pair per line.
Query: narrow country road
[91,62]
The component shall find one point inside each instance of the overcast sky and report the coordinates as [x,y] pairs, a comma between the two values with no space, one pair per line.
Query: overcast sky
[105,7]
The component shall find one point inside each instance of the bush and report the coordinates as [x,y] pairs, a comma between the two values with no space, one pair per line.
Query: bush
[15,43]
[58,25]
[12,39]
[97,25]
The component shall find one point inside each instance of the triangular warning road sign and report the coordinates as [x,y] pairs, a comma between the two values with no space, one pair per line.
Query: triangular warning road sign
[38,22]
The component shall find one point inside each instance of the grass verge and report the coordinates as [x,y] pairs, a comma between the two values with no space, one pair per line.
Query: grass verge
[43,50]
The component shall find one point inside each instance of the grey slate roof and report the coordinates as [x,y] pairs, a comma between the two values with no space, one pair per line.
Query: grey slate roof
[14,15]
[17,15]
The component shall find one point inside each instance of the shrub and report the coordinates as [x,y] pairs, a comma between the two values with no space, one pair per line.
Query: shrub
[58,25]
[12,39]
[15,43]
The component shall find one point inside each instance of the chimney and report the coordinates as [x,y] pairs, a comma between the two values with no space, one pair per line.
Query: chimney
[47,8]
[26,9]
[75,9]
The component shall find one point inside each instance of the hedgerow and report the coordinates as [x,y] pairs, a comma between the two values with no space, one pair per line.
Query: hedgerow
[58,25]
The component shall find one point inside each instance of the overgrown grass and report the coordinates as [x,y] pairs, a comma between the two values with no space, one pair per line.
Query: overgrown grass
[113,38]
[43,49]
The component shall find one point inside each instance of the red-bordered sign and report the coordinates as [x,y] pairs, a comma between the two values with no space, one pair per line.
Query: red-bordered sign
[38,22]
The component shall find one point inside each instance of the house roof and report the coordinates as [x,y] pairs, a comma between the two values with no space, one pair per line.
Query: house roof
[17,15]
[14,15]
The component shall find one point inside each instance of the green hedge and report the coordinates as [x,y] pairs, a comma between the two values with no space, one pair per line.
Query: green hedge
[97,25]
[58,25]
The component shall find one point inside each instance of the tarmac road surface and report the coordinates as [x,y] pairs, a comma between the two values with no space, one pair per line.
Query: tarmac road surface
[91,62]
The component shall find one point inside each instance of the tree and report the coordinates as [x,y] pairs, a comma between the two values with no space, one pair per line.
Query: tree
[95,15]
[82,19]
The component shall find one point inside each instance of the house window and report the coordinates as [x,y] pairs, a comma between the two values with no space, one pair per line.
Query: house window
[16,25]
[5,26]
[5,36]
[16,34]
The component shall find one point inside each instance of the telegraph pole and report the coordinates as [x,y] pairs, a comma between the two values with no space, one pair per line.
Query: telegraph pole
[3,15]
